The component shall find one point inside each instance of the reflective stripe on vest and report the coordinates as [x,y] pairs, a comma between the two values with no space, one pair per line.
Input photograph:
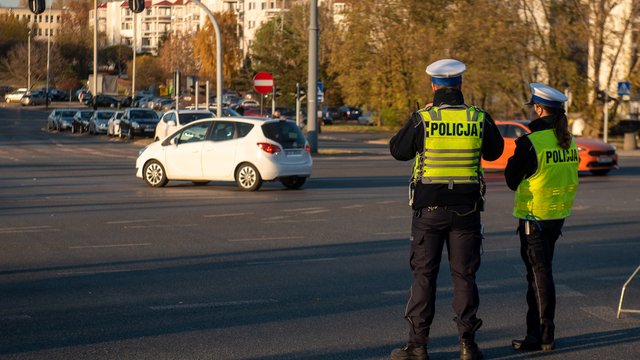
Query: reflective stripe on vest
[549,193]
[453,140]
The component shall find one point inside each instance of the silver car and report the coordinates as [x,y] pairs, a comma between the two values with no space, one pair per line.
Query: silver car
[99,122]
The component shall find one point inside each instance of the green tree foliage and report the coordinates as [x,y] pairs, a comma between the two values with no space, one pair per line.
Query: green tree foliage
[281,48]
[12,32]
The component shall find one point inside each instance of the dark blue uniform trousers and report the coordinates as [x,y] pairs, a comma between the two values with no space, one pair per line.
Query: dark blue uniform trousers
[430,231]
[536,250]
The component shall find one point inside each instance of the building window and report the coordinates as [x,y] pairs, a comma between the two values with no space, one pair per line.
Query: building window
[58,19]
[263,6]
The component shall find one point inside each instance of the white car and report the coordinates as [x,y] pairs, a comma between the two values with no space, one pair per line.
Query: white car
[174,120]
[15,96]
[245,150]
[113,125]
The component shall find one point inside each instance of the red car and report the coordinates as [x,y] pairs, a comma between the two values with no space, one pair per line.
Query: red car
[595,156]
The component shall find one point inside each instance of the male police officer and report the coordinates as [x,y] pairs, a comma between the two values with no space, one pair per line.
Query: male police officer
[544,172]
[446,141]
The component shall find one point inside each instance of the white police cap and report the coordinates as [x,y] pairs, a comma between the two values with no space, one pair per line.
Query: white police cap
[447,72]
[546,95]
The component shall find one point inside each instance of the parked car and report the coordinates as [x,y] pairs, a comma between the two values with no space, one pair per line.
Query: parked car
[329,115]
[81,121]
[99,121]
[102,101]
[15,96]
[174,120]
[595,156]
[32,98]
[366,118]
[347,113]
[245,150]
[138,121]
[55,94]
[63,119]
[113,125]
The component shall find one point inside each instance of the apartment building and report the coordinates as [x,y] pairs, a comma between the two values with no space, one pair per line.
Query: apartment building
[162,17]
[44,24]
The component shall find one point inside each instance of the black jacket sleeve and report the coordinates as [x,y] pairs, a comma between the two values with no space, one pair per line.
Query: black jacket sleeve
[492,143]
[522,164]
[405,144]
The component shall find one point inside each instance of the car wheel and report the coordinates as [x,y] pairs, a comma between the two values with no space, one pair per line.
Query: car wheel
[248,177]
[200,183]
[293,182]
[130,134]
[600,172]
[154,174]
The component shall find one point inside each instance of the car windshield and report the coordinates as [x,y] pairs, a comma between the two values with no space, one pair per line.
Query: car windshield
[143,115]
[285,133]
[187,118]
[86,114]
[104,115]
[67,113]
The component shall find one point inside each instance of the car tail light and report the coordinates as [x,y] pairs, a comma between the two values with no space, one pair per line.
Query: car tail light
[269,148]
[307,147]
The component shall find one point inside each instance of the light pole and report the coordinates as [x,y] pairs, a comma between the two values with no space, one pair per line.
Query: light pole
[216,27]
[46,94]
[312,80]
[95,51]
[133,66]
[29,60]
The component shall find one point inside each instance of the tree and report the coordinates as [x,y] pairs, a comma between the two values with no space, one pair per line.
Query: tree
[177,52]
[148,71]
[204,49]
[115,57]
[16,68]
[12,32]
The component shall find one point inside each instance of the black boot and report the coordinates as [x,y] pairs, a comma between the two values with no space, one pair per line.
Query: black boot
[410,352]
[547,342]
[529,343]
[469,350]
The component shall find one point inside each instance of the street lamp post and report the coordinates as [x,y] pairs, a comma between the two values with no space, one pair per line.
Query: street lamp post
[216,27]
[46,95]
[95,51]
[29,60]
[312,80]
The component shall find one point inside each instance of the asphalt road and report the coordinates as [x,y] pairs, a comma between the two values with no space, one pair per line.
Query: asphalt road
[96,265]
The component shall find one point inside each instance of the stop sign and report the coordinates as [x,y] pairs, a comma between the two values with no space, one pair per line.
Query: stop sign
[263,82]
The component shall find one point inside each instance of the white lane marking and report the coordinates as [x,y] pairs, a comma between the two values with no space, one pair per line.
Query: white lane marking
[631,244]
[565,291]
[313,212]
[15,317]
[294,221]
[352,206]
[27,229]
[441,289]
[612,278]
[107,246]
[159,226]
[303,209]
[290,261]
[129,221]
[392,233]
[227,215]
[267,238]
[65,273]
[275,218]
[213,304]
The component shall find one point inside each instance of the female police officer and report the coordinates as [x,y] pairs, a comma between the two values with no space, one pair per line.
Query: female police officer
[544,173]
[446,141]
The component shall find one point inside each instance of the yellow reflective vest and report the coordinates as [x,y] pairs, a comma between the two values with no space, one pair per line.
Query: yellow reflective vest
[452,146]
[549,193]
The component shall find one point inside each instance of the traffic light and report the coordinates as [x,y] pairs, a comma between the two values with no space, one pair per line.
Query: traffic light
[137,6]
[37,6]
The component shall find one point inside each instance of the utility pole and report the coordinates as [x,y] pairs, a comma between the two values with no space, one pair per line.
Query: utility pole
[133,66]
[95,51]
[312,96]
[216,27]
[29,60]
[46,95]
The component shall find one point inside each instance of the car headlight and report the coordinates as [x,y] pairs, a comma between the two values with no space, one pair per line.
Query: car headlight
[135,124]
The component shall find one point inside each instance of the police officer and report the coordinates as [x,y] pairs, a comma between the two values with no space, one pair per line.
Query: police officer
[446,141]
[544,173]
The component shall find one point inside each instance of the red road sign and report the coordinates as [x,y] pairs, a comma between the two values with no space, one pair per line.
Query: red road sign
[263,82]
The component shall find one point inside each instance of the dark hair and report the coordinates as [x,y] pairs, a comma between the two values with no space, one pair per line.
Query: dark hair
[560,126]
